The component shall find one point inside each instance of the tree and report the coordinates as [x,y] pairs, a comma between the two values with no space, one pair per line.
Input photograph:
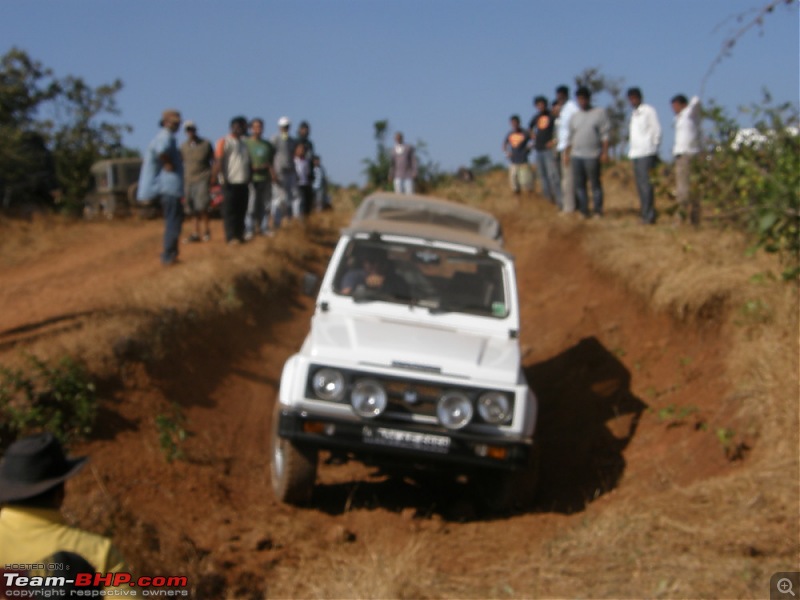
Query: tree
[377,169]
[24,157]
[24,86]
[52,131]
[81,135]
[483,164]
[429,173]
[753,182]
[747,21]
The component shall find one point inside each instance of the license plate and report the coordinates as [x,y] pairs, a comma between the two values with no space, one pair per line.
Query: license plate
[395,438]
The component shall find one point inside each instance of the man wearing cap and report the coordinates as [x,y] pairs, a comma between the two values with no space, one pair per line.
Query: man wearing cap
[32,476]
[198,156]
[286,176]
[161,180]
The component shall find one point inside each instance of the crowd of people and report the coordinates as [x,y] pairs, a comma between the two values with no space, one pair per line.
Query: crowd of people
[262,181]
[266,180]
[570,139]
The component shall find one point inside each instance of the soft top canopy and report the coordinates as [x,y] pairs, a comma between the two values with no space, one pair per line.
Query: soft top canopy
[426,210]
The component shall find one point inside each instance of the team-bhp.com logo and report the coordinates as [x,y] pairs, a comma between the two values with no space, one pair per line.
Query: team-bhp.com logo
[88,585]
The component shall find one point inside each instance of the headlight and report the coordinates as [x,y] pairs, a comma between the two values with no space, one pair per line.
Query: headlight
[454,410]
[328,384]
[368,398]
[494,407]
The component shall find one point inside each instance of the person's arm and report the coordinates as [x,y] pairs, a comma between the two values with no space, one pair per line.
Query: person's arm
[570,138]
[161,150]
[219,153]
[605,132]
[655,129]
[694,108]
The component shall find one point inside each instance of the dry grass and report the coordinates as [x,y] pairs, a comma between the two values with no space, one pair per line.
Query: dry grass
[148,313]
[725,536]
[722,537]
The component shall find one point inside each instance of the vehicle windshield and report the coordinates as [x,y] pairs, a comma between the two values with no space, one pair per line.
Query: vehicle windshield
[439,279]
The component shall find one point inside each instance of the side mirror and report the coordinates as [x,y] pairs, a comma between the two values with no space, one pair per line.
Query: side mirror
[310,284]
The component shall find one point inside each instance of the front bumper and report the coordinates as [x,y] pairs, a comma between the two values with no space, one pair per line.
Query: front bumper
[418,445]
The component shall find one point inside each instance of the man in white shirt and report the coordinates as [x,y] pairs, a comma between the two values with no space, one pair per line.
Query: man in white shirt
[232,169]
[644,137]
[686,147]
[567,108]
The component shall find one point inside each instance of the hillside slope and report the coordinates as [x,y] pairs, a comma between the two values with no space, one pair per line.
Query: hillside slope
[664,360]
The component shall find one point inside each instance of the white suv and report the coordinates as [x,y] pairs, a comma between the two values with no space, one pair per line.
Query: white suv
[413,359]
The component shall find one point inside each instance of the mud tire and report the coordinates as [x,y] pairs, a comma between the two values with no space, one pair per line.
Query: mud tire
[504,492]
[293,468]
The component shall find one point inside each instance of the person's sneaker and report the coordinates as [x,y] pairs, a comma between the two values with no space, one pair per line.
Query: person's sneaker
[207,237]
[234,242]
[192,238]
[248,236]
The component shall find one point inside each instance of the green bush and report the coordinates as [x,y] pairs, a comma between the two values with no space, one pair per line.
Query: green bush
[754,184]
[172,433]
[58,398]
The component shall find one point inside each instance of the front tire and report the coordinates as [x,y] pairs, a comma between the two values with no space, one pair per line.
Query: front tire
[293,468]
[514,491]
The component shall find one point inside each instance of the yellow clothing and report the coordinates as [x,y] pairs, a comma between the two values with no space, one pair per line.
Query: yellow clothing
[30,535]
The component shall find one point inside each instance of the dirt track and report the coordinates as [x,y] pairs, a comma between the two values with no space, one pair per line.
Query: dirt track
[610,376]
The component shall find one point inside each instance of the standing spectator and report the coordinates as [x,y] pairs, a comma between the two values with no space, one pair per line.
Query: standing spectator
[321,199]
[259,199]
[517,145]
[567,108]
[232,171]
[403,166]
[161,180]
[644,140]
[685,148]
[32,476]
[542,128]
[303,168]
[198,155]
[303,131]
[587,148]
[285,174]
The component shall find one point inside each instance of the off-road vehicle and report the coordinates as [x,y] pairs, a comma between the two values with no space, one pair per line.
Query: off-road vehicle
[412,360]
[114,188]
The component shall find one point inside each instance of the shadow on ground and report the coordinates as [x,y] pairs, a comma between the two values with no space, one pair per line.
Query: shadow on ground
[587,417]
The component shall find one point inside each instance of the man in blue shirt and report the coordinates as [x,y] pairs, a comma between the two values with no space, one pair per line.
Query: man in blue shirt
[161,180]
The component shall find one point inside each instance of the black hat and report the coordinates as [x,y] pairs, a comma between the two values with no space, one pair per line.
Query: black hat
[33,465]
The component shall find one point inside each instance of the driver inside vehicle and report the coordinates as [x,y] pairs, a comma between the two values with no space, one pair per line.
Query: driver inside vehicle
[374,271]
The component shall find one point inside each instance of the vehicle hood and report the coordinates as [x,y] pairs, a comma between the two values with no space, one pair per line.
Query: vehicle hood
[411,347]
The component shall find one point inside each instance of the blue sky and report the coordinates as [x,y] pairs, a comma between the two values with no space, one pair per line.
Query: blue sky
[448,72]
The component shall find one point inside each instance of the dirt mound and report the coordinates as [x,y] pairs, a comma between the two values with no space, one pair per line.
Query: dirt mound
[630,409]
